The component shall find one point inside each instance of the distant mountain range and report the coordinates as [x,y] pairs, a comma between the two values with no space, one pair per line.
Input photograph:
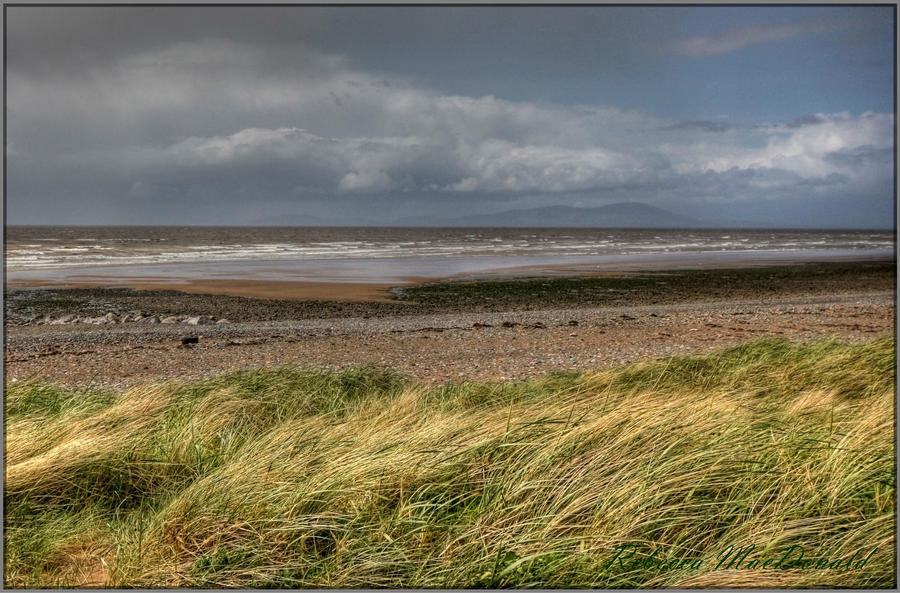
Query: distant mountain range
[619,215]
[291,220]
[301,220]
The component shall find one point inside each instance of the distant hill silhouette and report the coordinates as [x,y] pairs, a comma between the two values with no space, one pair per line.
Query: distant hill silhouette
[292,220]
[621,215]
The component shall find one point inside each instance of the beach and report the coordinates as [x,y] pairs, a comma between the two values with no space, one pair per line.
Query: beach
[440,331]
[454,431]
[401,441]
[464,420]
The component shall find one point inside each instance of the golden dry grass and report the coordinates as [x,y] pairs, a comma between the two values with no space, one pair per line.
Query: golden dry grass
[292,478]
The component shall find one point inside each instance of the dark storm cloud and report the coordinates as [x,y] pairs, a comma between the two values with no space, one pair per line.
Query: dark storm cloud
[228,114]
[44,37]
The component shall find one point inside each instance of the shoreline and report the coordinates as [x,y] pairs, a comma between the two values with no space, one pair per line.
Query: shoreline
[341,281]
[266,290]
[451,331]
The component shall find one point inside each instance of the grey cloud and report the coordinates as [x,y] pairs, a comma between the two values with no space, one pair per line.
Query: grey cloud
[797,122]
[154,96]
[406,139]
[860,157]
[161,117]
[807,120]
[698,126]
[54,39]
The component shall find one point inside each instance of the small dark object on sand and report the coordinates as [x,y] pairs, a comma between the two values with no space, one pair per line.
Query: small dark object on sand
[190,340]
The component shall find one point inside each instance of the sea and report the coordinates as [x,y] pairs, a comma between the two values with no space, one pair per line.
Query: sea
[379,254]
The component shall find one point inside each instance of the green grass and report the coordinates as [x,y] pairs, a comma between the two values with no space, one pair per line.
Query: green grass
[293,478]
[651,287]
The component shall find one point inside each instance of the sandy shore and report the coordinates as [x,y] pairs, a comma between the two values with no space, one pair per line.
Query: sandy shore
[261,289]
[447,346]
[371,280]
[451,339]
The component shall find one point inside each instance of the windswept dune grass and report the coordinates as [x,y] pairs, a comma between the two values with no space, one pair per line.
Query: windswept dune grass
[292,478]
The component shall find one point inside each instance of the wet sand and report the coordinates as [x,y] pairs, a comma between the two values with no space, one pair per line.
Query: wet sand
[265,289]
[371,280]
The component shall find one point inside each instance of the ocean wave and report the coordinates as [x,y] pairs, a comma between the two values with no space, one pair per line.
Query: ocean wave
[35,253]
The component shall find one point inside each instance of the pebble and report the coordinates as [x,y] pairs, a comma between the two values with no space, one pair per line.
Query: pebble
[114,354]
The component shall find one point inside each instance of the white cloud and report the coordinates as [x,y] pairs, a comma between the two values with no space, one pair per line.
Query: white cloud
[806,151]
[476,163]
[503,166]
[731,40]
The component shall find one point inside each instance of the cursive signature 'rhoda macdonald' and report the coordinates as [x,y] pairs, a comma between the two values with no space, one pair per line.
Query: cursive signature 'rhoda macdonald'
[734,557]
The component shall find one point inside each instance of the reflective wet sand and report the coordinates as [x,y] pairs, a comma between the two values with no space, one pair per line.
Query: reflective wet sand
[371,279]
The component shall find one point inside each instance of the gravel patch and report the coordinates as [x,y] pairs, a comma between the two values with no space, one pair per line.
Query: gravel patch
[436,347]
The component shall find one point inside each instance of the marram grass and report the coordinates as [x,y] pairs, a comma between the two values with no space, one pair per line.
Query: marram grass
[292,478]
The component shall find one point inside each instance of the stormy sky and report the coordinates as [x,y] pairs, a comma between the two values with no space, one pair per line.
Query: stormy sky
[779,116]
